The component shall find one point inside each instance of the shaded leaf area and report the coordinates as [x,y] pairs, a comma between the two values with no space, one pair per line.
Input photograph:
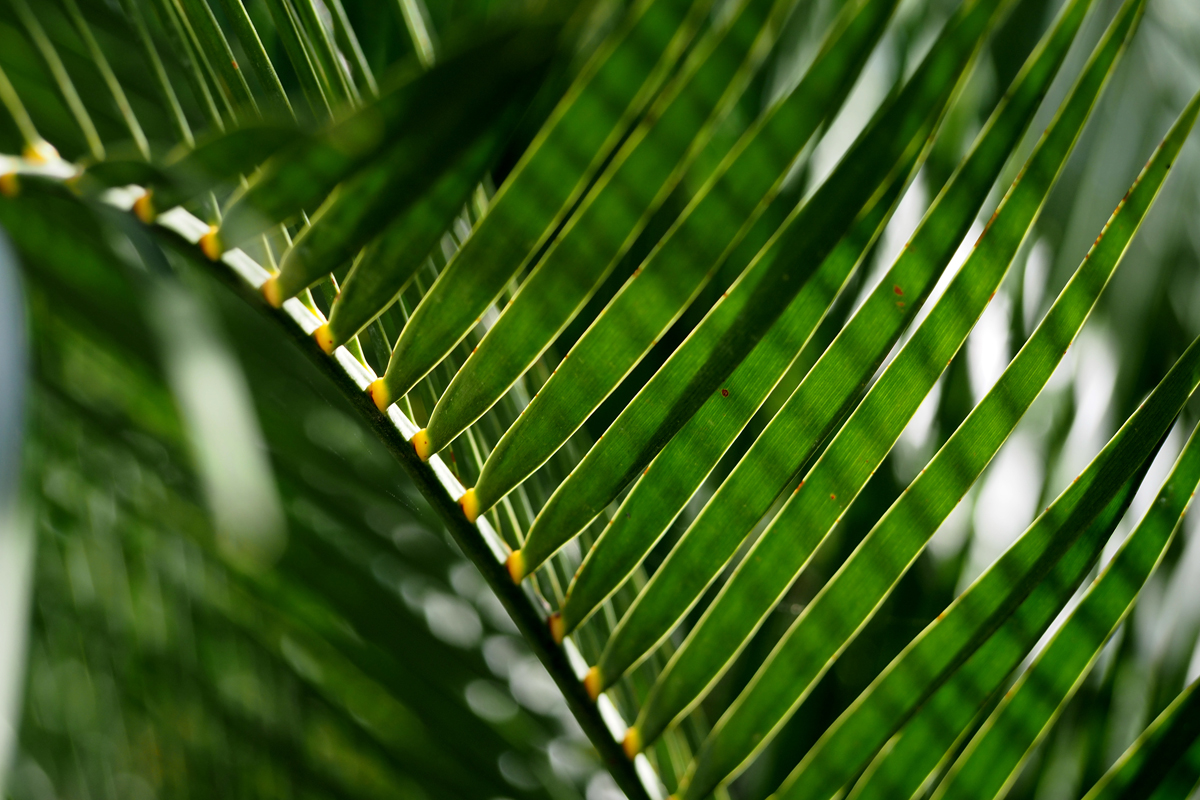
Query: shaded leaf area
[1163,761]
[157,658]
[367,544]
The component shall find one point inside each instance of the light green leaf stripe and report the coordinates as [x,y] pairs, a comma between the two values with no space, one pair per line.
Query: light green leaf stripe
[829,389]
[682,263]
[830,622]
[678,471]
[671,276]
[590,120]
[612,215]
[996,754]
[12,103]
[363,206]
[387,264]
[890,700]
[1174,734]
[302,177]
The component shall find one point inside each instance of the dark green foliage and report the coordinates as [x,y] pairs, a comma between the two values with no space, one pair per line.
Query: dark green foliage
[492,398]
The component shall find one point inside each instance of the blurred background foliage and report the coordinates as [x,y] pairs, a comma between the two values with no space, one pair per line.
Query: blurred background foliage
[302,626]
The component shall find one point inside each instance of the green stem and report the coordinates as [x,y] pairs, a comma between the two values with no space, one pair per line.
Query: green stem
[178,119]
[65,84]
[12,102]
[106,73]
[416,19]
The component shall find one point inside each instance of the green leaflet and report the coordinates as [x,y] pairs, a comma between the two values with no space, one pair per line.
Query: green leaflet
[219,159]
[32,140]
[363,206]
[1171,737]
[755,168]
[674,475]
[110,79]
[477,79]
[347,42]
[333,75]
[1181,781]
[851,597]
[832,385]
[929,660]
[387,264]
[679,267]
[192,62]
[150,53]
[900,770]
[120,172]
[581,133]
[216,48]
[291,36]
[615,211]
[252,46]
[830,622]
[995,756]
[62,78]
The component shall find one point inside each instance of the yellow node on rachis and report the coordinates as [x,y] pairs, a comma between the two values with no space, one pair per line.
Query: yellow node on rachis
[632,743]
[592,683]
[270,290]
[379,394]
[143,207]
[470,506]
[40,151]
[558,629]
[210,244]
[515,564]
[422,444]
[324,339]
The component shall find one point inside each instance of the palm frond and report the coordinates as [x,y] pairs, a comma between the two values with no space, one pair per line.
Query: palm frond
[588,273]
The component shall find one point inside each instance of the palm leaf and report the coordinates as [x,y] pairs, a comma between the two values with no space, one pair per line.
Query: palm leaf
[602,378]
